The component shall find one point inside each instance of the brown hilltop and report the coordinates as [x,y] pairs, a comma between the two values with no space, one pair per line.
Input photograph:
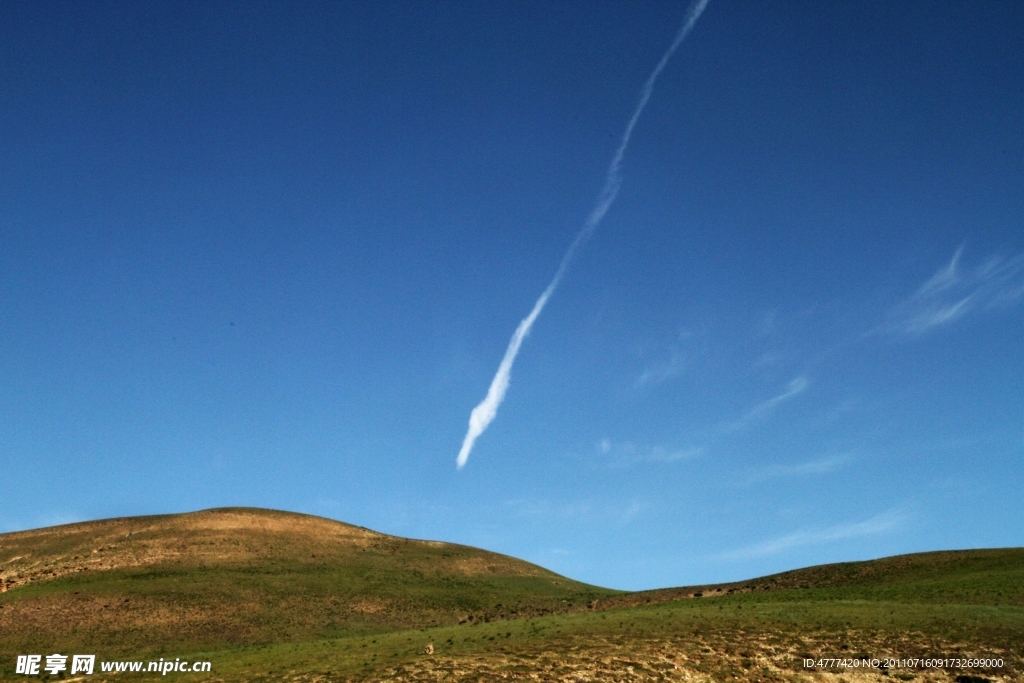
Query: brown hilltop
[221,537]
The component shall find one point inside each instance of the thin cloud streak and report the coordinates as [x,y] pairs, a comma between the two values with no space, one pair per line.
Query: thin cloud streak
[678,352]
[954,291]
[796,386]
[662,372]
[627,454]
[889,520]
[482,416]
[618,515]
[820,466]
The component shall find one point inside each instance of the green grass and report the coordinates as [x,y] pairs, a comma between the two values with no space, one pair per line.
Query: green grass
[272,596]
[730,629]
[219,579]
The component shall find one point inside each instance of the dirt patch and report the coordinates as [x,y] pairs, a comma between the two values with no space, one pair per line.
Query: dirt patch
[627,660]
[370,606]
[476,566]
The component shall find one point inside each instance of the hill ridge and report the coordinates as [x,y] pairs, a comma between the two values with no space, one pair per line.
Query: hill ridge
[111,534]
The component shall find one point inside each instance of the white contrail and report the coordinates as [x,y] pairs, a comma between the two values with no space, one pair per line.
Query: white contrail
[484,414]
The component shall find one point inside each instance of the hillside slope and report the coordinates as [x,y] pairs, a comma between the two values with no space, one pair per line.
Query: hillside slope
[277,596]
[234,576]
[991,576]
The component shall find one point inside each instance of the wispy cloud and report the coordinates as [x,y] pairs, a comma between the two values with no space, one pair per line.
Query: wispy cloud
[956,290]
[666,361]
[809,468]
[659,372]
[482,416]
[618,515]
[767,324]
[626,454]
[887,521]
[796,386]
[487,410]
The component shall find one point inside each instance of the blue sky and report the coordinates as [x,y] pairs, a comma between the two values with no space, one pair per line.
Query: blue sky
[271,254]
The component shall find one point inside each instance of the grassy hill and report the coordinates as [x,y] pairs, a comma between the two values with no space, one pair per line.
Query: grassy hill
[227,577]
[980,577]
[270,596]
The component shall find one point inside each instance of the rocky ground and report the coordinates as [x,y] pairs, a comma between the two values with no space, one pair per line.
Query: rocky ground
[757,658]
